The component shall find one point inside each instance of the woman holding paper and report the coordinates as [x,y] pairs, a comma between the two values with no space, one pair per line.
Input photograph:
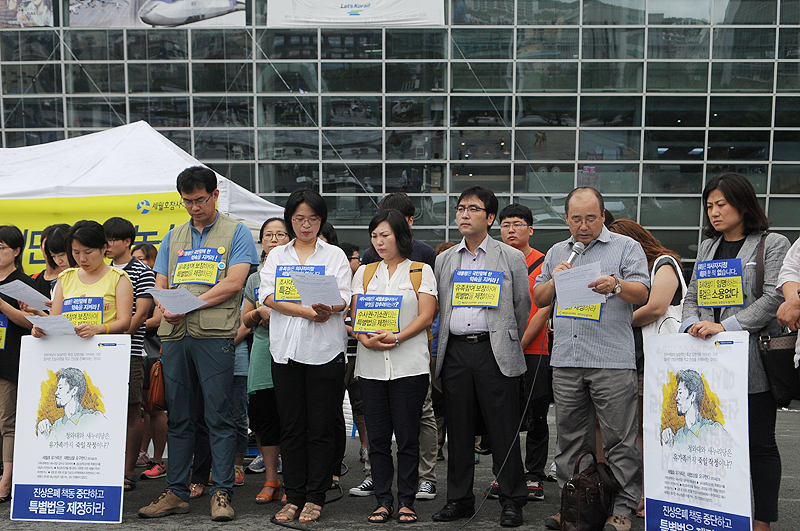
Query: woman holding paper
[106,292]
[264,420]
[13,326]
[393,365]
[307,345]
[735,225]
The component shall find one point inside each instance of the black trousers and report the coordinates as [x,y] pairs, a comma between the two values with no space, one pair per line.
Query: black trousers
[308,397]
[471,379]
[765,460]
[394,406]
[536,378]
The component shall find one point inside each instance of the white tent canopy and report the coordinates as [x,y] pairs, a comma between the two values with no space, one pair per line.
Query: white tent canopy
[129,159]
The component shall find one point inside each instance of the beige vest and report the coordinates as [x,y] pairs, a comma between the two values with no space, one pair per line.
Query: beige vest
[220,321]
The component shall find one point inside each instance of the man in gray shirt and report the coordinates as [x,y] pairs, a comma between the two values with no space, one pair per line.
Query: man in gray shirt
[593,351]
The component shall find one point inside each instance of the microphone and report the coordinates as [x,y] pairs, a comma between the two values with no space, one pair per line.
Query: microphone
[577,249]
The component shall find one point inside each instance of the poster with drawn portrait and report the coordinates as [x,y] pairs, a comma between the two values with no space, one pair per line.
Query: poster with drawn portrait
[696,460]
[72,405]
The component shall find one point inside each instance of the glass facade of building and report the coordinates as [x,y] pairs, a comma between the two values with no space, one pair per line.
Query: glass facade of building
[643,99]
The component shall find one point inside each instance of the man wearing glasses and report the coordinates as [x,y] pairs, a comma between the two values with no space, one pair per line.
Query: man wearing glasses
[593,353]
[485,300]
[210,255]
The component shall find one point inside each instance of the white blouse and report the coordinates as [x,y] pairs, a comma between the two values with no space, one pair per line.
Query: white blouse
[411,356]
[298,338]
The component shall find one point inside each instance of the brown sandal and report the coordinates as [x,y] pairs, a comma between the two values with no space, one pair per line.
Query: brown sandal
[310,513]
[196,490]
[266,498]
[286,514]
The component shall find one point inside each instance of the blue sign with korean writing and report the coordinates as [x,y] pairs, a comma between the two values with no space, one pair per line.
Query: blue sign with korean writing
[284,285]
[65,503]
[669,515]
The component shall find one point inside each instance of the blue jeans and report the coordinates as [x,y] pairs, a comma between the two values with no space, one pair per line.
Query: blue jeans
[239,413]
[206,364]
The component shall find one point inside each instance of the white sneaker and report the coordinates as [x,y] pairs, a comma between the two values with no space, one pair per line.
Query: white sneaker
[552,472]
[257,465]
[365,489]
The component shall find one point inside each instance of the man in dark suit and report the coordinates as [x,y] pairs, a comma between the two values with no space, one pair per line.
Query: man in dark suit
[484,300]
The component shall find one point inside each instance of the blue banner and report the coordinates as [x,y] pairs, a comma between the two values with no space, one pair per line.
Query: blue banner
[663,515]
[68,503]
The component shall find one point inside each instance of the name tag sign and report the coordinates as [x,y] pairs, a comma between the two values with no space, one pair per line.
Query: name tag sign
[255,294]
[81,310]
[3,331]
[719,283]
[198,266]
[377,312]
[478,288]
[284,285]
[591,312]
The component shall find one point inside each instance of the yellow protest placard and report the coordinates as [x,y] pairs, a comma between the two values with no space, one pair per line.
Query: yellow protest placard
[591,312]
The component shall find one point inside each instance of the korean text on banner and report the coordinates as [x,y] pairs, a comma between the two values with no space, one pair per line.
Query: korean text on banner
[153,215]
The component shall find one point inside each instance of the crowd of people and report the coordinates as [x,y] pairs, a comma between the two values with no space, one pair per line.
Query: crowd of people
[453,358]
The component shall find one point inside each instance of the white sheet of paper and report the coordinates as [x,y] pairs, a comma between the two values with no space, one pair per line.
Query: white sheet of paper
[316,289]
[571,286]
[22,292]
[53,325]
[176,301]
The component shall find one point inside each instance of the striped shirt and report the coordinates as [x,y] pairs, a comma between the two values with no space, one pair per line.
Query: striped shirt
[465,320]
[608,343]
[142,278]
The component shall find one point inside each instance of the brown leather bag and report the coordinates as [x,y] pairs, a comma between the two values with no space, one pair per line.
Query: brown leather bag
[156,400]
[588,497]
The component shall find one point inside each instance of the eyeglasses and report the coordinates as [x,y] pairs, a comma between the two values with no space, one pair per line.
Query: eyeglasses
[517,226]
[301,220]
[588,220]
[4,247]
[473,209]
[355,258]
[191,202]
[277,235]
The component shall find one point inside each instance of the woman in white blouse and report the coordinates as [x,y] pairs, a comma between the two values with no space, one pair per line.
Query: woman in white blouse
[307,344]
[393,367]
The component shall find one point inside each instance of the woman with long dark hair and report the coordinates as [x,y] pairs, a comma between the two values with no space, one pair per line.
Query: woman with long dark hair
[735,223]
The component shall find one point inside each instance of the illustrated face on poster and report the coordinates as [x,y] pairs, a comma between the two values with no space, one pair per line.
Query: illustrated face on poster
[691,413]
[69,404]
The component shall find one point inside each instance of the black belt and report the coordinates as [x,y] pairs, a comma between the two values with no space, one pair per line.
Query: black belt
[472,338]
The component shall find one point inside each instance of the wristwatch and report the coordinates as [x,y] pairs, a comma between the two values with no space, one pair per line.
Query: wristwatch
[618,287]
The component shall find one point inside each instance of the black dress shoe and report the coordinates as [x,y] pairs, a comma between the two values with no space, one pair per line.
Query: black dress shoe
[453,511]
[511,516]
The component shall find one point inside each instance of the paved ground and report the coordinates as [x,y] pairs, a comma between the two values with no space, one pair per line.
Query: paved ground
[350,512]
